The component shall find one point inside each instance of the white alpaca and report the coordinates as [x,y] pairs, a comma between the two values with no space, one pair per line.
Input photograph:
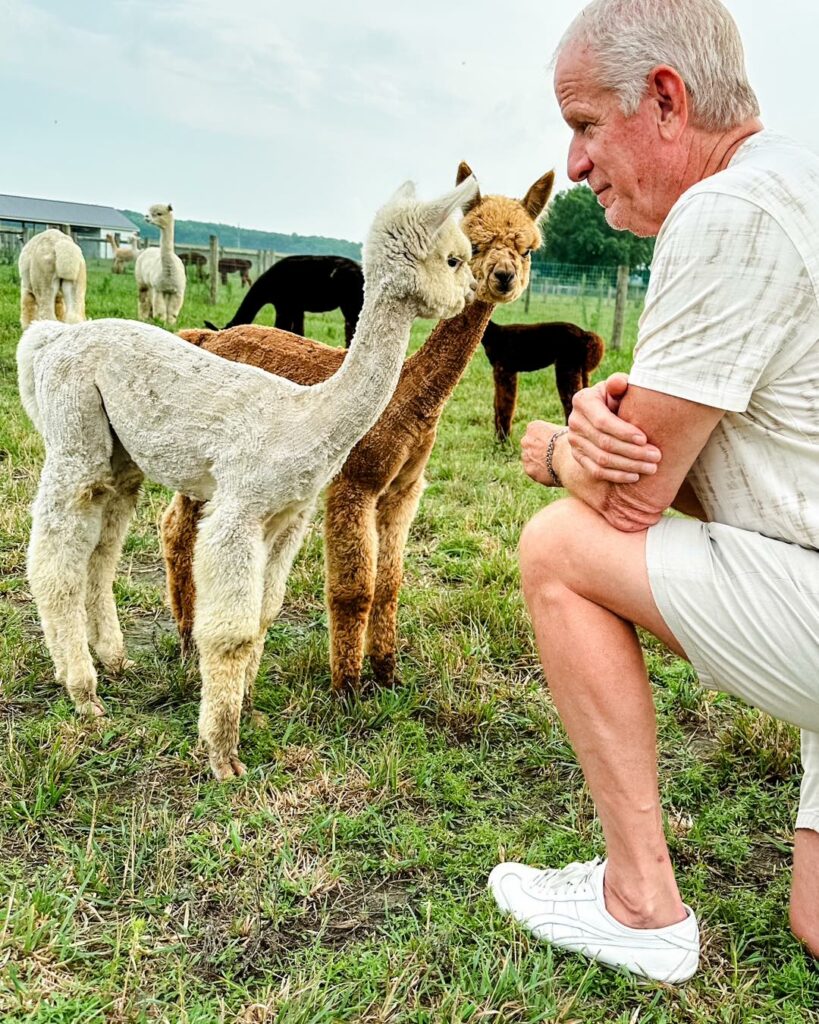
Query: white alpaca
[116,400]
[52,279]
[123,255]
[159,273]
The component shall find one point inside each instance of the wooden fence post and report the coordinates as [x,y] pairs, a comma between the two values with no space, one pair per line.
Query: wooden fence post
[620,301]
[213,266]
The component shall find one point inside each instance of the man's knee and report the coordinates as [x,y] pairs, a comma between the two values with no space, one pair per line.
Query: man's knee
[554,540]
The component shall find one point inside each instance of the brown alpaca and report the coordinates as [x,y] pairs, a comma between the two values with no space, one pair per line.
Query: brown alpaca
[373,500]
[521,348]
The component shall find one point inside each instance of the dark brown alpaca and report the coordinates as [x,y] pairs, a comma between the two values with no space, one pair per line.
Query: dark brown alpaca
[522,348]
[235,265]
[373,500]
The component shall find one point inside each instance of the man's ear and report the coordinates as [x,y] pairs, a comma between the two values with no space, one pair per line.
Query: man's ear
[667,89]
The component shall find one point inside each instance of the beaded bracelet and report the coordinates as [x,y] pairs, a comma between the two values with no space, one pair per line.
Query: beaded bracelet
[550,450]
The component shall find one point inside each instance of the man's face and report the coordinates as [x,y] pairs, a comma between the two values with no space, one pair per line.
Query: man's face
[622,159]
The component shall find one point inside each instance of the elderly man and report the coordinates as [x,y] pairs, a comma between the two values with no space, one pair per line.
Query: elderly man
[720,419]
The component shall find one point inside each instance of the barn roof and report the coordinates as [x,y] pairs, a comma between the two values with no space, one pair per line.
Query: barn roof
[52,211]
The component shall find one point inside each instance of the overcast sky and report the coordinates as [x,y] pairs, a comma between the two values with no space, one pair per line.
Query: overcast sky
[305,116]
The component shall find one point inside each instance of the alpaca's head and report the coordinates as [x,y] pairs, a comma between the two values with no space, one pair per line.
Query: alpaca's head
[417,252]
[160,214]
[503,233]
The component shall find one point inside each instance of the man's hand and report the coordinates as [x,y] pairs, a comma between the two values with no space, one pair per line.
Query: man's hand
[607,447]
[533,450]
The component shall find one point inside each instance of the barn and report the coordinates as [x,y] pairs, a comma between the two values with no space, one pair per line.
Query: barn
[88,224]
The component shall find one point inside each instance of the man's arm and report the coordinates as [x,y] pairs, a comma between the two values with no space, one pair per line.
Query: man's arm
[677,427]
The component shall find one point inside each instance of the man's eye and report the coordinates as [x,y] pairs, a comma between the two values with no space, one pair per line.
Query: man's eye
[454,262]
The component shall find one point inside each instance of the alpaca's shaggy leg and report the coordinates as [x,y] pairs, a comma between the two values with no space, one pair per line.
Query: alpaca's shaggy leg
[59,307]
[506,396]
[47,299]
[179,525]
[395,513]
[104,632]
[70,297]
[228,568]
[65,530]
[28,307]
[145,302]
[282,550]
[351,551]
[570,377]
[173,303]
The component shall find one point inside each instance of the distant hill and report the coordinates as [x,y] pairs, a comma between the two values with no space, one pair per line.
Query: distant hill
[198,232]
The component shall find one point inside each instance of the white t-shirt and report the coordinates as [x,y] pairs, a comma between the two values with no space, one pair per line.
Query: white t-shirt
[731,320]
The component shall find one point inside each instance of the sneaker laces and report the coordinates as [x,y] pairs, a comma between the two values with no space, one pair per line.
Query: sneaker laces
[568,879]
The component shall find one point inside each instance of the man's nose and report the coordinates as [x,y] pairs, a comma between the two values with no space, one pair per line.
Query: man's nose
[579,165]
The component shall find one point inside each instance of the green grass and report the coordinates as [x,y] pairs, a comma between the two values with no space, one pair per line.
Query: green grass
[344,878]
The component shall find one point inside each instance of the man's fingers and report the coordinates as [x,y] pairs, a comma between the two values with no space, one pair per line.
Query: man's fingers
[589,407]
[581,427]
[612,476]
[630,460]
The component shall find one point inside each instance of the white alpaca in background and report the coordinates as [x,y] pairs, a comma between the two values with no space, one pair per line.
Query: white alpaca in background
[159,273]
[52,279]
[115,400]
[123,254]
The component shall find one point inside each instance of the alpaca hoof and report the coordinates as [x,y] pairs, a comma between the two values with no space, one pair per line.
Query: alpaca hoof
[91,708]
[232,768]
[116,666]
[383,668]
[346,686]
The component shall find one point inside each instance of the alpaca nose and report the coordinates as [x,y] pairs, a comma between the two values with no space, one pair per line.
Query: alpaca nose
[504,279]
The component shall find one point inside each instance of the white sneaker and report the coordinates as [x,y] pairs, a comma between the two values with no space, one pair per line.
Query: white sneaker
[565,906]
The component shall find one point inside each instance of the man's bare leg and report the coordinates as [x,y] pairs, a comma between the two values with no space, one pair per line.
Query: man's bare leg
[585,584]
[805,889]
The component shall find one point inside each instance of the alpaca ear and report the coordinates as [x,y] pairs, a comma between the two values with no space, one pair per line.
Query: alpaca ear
[464,171]
[170,208]
[460,198]
[403,193]
[535,200]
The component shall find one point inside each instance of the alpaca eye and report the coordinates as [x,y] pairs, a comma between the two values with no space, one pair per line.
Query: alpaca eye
[475,250]
[454,262]
[527,254]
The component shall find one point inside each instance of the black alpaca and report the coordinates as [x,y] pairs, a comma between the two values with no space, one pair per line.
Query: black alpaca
[305,283]
[521,348]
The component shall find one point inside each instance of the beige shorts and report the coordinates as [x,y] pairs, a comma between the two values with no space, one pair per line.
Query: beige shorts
[745,609]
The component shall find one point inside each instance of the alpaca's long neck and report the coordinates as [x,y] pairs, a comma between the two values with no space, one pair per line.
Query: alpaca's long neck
[436,368]
[166,241]
[356,395]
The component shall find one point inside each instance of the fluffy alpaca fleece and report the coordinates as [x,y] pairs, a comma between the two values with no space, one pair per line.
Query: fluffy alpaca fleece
[115,400]
[373,500]
[123,255]
[522,348]
[52,279]
[299,283]
[160,273]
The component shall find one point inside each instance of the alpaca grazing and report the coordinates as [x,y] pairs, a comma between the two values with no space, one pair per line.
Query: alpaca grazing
[159,273]
[117,400]
[52,279]
[522,348]
[235,265]
[373,500]
[123,255]
[305,283]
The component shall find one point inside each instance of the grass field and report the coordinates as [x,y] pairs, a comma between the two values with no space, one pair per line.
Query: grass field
[344,878]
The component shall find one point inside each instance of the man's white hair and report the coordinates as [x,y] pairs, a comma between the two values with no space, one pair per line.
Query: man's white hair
[698,38]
